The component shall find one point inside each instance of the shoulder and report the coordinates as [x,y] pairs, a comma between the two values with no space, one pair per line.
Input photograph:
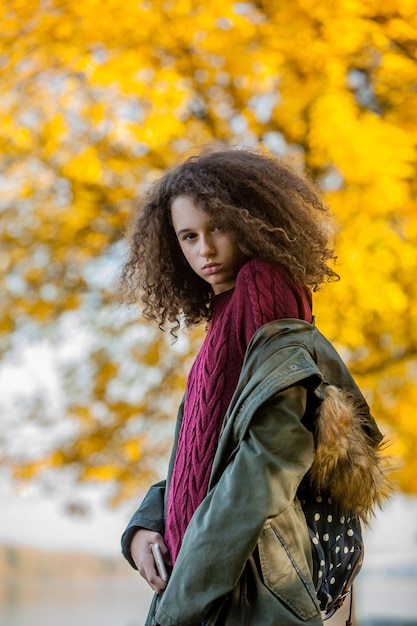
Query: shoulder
[270,292]
[262,273]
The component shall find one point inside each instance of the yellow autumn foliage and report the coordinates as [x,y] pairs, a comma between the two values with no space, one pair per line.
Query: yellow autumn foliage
[100,97]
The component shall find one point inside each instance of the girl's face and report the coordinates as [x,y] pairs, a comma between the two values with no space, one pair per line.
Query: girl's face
[212,253]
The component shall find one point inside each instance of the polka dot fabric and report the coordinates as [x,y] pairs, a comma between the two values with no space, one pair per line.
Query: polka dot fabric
[337,550]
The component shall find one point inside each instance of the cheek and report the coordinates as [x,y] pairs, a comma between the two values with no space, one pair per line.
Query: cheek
[231,244]
[234,250]
[187,252]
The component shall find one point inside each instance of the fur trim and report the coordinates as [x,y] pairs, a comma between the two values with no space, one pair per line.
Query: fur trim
[348,466]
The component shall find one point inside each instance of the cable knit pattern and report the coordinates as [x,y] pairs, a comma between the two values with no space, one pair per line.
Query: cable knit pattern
[263,292]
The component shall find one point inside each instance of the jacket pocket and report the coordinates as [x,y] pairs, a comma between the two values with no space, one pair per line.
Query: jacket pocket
[284,555]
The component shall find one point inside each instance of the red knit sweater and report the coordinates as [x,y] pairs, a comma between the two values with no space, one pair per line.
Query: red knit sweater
[263,292]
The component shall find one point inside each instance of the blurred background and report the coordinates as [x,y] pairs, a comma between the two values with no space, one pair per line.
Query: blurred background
[96,100]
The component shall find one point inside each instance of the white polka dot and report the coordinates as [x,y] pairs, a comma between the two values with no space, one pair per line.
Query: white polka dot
[317,516]
[338,537]
[322,563]
[352,549]
[349,566]
[337,549]
[350,532]
[320,574]
[330,518]
[315,541]
[338,565]
[319,499]
[345,549]
[332,580]
[331,566]
[326,537]
[329,500]
[342,519]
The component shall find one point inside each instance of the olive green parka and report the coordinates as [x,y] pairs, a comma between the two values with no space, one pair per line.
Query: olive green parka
[246,555]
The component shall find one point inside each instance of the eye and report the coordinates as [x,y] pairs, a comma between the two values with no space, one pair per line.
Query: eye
[189,236]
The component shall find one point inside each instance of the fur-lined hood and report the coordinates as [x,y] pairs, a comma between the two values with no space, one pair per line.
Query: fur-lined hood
[349,466]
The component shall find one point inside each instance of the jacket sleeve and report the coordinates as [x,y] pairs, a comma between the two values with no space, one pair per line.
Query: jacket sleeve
[149,515]
[259,482]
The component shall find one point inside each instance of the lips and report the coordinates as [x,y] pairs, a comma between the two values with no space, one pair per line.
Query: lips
[211,268]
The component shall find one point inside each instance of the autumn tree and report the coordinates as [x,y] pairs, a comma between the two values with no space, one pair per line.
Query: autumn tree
[98,98]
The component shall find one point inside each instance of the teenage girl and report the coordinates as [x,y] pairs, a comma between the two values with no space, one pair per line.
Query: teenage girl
[238,240]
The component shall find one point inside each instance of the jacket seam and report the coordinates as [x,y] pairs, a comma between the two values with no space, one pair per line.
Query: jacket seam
[259,396]
[295,565]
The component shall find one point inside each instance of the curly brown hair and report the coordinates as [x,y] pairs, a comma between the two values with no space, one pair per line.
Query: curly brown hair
[274,212]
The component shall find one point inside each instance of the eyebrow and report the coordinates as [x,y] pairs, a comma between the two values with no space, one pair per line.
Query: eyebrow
[184,230]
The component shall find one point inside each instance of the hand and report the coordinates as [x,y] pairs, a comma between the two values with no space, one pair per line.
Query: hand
[140,549]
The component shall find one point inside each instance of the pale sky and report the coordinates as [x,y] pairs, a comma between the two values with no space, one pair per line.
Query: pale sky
[31,518]
[28,516]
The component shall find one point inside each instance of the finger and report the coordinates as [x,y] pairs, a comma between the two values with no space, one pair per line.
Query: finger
[149,572]
[155,581]
[165,551]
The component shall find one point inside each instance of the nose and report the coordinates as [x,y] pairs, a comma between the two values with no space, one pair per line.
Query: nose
[206,246]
